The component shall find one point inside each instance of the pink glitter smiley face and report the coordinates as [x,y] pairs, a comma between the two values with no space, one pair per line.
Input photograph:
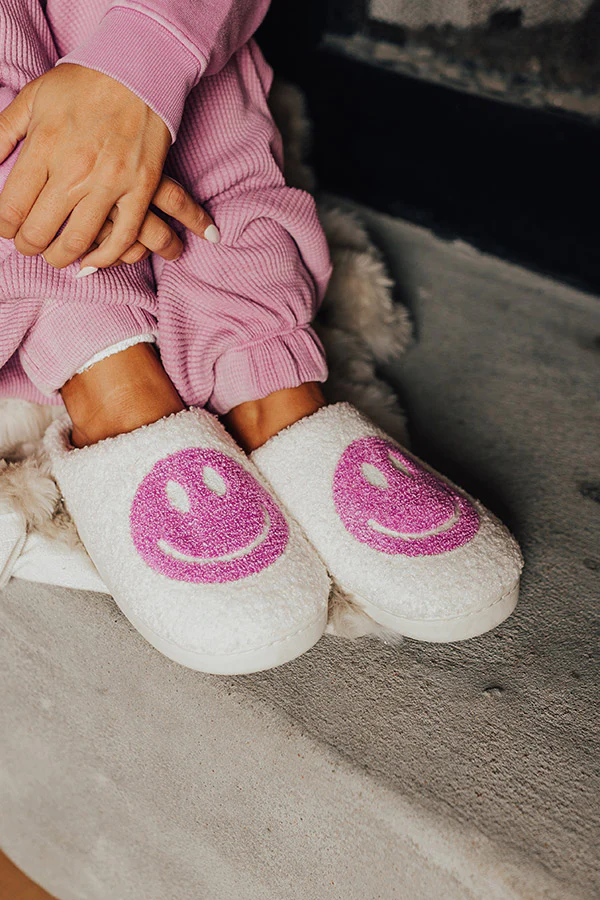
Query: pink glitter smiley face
[199,516]
[387,500]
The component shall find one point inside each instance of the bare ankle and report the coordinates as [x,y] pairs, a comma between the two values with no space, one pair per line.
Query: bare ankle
[253,423]
[118,395]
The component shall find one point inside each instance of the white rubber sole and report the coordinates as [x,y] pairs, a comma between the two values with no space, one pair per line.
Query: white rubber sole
[51,562]
[245,663]
[446,631]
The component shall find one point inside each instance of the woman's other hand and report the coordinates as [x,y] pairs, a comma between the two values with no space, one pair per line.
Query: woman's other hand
[155,234]
[92,151]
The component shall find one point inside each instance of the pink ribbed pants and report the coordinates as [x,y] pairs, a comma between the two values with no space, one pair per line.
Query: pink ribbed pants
[232,320]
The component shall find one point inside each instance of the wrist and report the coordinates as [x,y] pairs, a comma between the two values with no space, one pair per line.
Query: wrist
[121,47]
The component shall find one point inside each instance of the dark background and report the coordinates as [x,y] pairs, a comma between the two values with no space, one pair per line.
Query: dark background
[516,181]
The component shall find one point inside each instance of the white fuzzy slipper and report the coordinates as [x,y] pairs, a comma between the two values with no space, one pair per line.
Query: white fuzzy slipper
[194,549]
[414,551]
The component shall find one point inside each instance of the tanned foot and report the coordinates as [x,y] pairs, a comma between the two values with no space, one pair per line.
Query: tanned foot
[253,423]
[119,394]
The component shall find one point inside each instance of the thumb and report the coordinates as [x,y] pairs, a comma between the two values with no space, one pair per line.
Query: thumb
[14,123]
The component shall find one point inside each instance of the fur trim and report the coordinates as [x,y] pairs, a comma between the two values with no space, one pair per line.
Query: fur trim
[22,425]
[347,620]
[30,490]
[352,377]
[288,106]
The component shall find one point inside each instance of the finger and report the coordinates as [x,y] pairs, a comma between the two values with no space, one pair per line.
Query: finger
[22,188]
[126,227]
[160,238]
[83,226]
[155,236]
[14,122]
[102,234]
[135,254]
[119,262]
[43,221]
[174,200]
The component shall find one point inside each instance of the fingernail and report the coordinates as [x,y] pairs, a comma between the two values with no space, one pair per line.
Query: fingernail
[213,234]
[87,270]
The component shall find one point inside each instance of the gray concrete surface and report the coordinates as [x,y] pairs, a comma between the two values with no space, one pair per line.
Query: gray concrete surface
[502,390]
[361,770]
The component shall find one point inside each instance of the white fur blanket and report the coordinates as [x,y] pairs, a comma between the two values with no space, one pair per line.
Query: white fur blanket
[360,327]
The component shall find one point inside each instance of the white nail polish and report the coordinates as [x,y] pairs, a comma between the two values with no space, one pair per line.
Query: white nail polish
[87,270]
[213,234]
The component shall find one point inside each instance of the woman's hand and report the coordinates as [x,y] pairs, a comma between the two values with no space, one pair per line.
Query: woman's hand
[155,234]
[92,151]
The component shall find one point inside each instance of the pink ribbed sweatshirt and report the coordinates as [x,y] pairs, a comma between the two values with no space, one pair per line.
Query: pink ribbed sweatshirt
[233,320]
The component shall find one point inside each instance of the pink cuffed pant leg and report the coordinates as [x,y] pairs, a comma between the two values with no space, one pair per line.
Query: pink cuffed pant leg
[235,318]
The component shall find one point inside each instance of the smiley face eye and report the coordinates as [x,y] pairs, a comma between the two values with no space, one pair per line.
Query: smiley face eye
[177,496]
[398,465]
[213,481]
[374,476]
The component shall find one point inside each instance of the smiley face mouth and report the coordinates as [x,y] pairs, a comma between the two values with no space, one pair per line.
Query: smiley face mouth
[168,550]
[407,536]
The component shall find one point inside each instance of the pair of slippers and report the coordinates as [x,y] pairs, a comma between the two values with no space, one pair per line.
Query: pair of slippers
[225,562]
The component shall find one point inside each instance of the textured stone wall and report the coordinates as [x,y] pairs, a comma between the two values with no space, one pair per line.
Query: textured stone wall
[466,13]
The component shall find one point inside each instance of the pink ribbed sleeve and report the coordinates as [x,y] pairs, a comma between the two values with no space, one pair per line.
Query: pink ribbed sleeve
[159,49]
[26,46]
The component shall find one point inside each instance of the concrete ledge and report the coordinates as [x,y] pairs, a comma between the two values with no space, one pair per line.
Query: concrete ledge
[362,770]
[124,775]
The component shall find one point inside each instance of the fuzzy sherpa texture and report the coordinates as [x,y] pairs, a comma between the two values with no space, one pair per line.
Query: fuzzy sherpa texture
[101,485]
[468,568]
[22,426]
